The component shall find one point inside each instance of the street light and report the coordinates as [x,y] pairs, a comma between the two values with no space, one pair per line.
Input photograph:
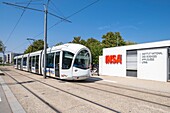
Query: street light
[30,42]
[45,25]
[30,39]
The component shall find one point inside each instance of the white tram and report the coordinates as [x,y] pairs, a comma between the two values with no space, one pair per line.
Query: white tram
[68,61]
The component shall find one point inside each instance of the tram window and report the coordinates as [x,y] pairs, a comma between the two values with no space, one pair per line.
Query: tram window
[50,60]
[37,62]
[19,61]
[33,61]
[14,61]
[30,61]
[67,59]
[57,60]
[82,60]
[24,61]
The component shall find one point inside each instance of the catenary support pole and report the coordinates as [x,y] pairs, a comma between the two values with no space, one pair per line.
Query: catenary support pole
[45,39]
[3,51]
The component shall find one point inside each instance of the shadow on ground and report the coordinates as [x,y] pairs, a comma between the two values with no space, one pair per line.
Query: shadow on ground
[89,80]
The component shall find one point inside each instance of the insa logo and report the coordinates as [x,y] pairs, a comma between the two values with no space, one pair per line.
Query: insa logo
[113,59]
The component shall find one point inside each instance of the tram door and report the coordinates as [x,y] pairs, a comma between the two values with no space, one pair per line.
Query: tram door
[29,68]
[37,64]
[168,63]
[33,64]
[50,71]
[19,63]
[57,62]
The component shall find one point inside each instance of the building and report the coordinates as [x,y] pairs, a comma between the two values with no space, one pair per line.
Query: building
[10,56]
[2,58]
[150,61]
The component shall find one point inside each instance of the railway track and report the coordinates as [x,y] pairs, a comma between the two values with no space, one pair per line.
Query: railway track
[51,106]
[98,86]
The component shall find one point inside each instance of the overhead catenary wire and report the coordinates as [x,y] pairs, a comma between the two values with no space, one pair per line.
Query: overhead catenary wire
[26,7]
[68,17]
[17,23]
[19,46]
[58,10]
[27,1]
[37,10]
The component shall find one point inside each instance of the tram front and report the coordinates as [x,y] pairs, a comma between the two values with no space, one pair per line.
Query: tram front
[81,65]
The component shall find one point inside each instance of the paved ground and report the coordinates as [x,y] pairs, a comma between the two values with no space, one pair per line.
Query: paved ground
[4,106]
[103,94]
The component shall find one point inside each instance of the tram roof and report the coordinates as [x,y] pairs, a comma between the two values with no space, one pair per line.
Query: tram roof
[72,47]
[35,53]
[26,55]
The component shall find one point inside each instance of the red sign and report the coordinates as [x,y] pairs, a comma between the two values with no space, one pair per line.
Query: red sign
[113,59]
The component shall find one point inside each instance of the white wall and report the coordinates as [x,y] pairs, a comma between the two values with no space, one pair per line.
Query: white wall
[114,69]
[100,65]
[152,61]
[152,64]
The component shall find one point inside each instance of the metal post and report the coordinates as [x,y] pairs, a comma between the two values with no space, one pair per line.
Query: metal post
[45,40]
[3,58]
[3,51]
[32,46]
[117,40]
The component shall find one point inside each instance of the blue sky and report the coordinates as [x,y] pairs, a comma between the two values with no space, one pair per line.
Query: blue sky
[137,20]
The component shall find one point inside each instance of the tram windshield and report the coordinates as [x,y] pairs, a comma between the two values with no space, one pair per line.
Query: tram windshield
[82,60]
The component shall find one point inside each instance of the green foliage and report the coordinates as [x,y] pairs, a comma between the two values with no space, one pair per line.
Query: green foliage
[77,40]
[37,45]
[60,43]
[130,43]
[95,47]
[111,39]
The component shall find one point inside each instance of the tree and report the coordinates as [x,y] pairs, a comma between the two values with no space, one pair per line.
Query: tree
[60,43]
[130,43]
[95,47]
[37,45]
[77,40]
[111,39]
[1,46]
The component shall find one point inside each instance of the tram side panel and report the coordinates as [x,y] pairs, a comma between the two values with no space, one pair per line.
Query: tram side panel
[25,62]
[66,60]
[61,62]
[50,64]
[34,64]
[19,62]
[39,64]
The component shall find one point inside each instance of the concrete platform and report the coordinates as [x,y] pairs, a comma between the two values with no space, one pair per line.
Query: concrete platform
[13,104]
[151,85]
